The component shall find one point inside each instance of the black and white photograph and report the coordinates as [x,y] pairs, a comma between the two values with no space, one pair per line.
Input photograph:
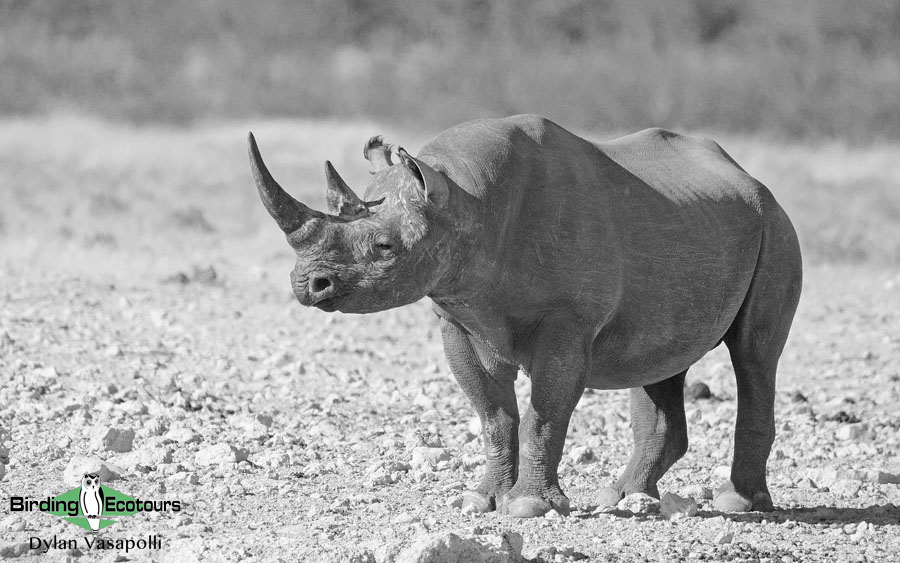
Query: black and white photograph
[476,281]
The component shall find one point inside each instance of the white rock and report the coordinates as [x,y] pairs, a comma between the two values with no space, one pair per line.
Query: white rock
[447,547]
[723,537]
[639,503]
[278,360]
[882,477]
[187,550]
[10,550]
[79,465]
[404,518]
[674,506]
[846,488]
[148,456]
[252,428]
[113,439]
[474,426]
[807,483]
[698,491]
[219,454]
[424,457]
[581,454]
[182,435]
[722,473]
[851,431]
[271,458]
[14,523]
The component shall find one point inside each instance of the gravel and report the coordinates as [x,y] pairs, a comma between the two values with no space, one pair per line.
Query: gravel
[297,435]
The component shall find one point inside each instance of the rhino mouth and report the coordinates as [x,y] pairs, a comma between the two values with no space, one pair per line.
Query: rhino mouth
[328,305]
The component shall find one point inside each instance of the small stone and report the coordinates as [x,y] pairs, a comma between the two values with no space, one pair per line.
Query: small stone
[799,397]
[581,454]
[404,518]
[272,459]
[10,550]
[639,503]
[14,523]
[220,454]
[252,428]
[469,509]
[424,457]
[278,360]
[474,426]
[851,432]
[182,435]
[150,456]
[846,488]
[698,491]
[552,514]
[79,465]
[674,506]
[505,547]
[882,478]
[698,390]
[722,473]
[723,537]
[807,483]
[119,440]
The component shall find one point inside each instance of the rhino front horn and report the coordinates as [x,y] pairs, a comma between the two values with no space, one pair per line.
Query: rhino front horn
[289,213]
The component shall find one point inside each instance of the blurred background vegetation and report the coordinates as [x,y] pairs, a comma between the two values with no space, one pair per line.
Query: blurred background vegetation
[792,68]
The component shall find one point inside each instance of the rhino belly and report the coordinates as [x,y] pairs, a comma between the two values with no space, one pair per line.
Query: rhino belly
[661,330]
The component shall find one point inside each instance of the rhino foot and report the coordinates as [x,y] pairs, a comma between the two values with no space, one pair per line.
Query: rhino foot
[533,506]
[478,501]
[729,500]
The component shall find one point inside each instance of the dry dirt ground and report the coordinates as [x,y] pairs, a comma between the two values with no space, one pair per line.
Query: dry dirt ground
[143,289]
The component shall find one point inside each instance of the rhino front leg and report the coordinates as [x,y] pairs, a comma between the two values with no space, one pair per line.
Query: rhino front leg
[557,383]
[660,438]
[488,383]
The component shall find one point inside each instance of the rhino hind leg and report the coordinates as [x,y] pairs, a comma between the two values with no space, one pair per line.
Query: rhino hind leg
[488,384]
[660,438]
[755,342]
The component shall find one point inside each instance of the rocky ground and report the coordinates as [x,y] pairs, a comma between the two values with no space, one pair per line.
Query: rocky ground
[290,434]
[152,336]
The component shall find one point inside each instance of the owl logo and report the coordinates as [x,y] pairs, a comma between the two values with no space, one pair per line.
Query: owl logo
[91,500]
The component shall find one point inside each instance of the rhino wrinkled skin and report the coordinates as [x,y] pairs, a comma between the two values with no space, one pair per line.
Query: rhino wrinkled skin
[607,266]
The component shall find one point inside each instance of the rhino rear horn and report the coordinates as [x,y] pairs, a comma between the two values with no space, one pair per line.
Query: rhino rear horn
[341,199]
[289,213]
[378,153]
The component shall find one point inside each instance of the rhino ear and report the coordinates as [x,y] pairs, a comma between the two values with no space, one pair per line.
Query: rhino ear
[378,153]
[433,183]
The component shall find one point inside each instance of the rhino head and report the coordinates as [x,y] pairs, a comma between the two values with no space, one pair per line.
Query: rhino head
[368,255]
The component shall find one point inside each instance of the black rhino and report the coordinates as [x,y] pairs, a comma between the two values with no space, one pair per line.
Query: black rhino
[603,265]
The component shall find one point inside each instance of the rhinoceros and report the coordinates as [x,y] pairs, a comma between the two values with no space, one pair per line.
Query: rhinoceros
[585,265]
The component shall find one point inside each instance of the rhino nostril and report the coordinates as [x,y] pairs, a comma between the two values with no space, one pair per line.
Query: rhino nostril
[320,284]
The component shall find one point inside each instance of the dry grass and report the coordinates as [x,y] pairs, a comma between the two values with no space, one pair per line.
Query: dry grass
[100,199]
